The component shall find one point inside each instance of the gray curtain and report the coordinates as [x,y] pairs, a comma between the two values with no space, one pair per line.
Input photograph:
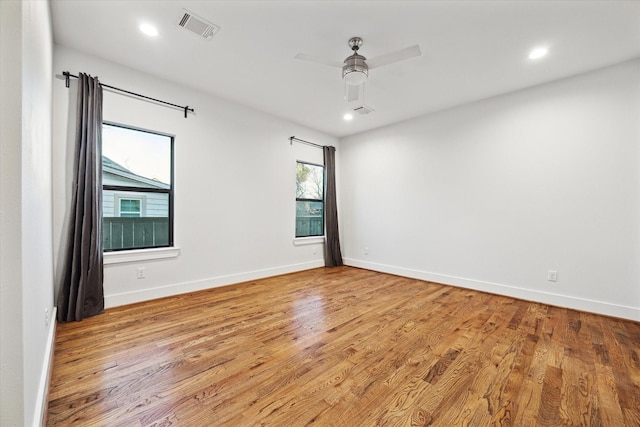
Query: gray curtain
[332,253]
[81,292]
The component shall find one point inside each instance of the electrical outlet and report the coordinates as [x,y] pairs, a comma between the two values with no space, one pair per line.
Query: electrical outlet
[47,318]
[552,276]
[141,273]
[366,250]
[314,250]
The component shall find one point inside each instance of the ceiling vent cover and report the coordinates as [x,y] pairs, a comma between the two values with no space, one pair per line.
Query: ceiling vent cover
[197,25]
[363,109]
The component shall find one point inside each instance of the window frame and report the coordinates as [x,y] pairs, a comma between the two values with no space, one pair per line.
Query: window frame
[141,210]
[130,189]
[302,199]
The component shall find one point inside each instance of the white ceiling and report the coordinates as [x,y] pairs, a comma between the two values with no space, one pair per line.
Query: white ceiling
[470,49]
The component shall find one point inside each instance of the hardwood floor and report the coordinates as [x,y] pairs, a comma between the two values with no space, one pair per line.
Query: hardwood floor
[345,347]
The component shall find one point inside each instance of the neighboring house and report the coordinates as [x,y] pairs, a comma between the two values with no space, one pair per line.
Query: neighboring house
[131,204]
[132,217]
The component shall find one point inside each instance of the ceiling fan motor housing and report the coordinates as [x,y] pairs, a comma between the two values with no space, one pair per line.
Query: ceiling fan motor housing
[355,70]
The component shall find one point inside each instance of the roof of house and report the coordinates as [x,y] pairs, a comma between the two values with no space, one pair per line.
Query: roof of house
[112,167]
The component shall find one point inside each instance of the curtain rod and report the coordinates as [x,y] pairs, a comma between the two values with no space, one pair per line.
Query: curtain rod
[186,109]
[291,138]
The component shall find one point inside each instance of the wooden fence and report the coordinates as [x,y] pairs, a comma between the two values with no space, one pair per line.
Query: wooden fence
[309,226]
[130,233]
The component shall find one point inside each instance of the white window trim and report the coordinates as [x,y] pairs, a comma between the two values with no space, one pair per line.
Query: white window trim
[311,240]
[136,255]
[119,197]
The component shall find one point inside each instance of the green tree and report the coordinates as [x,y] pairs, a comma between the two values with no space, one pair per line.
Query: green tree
[317,182]
[302,172]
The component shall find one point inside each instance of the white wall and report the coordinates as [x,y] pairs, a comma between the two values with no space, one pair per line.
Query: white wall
[11,348]
[234,183]
[494,194]
[26,263]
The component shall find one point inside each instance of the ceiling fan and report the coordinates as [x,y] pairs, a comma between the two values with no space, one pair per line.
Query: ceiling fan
[355,68]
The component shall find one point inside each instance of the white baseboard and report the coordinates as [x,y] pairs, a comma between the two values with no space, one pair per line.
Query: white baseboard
[39,417]
[125,298]
[600,307]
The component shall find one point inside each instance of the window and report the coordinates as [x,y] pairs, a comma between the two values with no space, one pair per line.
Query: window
[309,200]
[130,208]
[137,188]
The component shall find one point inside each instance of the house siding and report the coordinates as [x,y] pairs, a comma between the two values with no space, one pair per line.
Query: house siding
[153,204]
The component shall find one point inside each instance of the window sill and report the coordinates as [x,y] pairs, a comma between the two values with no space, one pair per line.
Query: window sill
[299,241]
[136,255]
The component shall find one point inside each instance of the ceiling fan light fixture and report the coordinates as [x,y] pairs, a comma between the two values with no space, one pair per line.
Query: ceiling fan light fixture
[355,70]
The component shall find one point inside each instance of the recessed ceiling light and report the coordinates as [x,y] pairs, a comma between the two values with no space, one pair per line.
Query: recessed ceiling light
[538,52]
[348,116]
[148,29]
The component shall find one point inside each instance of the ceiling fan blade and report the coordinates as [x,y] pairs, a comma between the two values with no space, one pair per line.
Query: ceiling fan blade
[318,60]
[353,92]
[390,58]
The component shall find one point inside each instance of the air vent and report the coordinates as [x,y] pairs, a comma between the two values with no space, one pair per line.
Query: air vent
[197,25]
[363,110]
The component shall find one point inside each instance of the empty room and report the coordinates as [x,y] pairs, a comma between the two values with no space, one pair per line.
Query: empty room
[338,213]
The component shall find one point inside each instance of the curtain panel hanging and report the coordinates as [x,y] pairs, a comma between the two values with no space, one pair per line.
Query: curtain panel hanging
[81,292]
[332,253]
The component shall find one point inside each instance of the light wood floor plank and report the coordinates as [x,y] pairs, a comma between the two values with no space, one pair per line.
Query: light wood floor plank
[345,347]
